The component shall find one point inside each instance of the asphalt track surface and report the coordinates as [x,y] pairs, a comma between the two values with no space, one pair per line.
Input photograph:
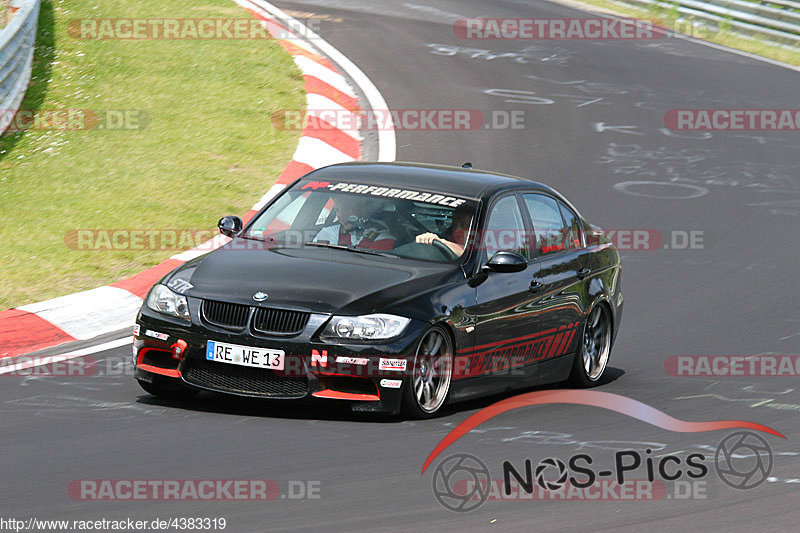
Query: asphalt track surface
[736,295]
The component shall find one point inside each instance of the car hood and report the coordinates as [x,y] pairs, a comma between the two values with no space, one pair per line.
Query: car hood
[316,279]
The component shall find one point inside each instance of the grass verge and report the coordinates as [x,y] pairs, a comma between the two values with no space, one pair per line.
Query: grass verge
[200,144]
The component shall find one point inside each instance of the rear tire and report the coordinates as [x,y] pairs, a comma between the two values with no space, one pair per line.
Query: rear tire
[428,388]
[591,359]
[167,392]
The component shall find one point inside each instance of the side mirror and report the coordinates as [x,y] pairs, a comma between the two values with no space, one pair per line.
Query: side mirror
[505,261]
[230,226]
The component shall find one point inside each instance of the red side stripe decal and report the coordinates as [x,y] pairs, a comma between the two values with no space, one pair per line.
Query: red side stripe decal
[568,342]
[542,349]
[558,346]
[514,339]
[554,344]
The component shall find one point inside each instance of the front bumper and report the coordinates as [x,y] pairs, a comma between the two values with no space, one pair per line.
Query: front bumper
[314,368]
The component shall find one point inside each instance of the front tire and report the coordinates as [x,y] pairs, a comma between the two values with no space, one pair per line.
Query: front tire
[591,359]
[167,392]
[428,388]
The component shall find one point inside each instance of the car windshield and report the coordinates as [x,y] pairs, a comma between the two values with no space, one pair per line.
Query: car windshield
[346,216]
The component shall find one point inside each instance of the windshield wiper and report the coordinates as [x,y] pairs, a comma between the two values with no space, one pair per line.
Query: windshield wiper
[350,249]
[250,237]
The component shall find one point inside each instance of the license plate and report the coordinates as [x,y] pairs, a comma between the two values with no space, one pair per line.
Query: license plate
[235,354]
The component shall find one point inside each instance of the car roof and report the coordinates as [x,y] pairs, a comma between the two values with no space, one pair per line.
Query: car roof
[452,180]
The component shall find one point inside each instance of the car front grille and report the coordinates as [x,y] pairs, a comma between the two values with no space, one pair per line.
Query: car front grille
[261,382]
[279,321]
[224,314]
[266,320]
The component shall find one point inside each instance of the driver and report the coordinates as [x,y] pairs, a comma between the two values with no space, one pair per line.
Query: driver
[455,237]
[354,226]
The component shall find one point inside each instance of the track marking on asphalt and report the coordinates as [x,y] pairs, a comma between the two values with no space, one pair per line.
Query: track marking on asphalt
[434,11]
[58,405]
[600,127]
[690,191]
[752,402]
[49,359]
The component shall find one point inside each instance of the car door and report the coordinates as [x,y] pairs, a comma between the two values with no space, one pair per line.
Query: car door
[504,313]
[563,265]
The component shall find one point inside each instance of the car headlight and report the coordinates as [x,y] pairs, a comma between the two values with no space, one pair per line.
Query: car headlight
[163,300]
[366,327]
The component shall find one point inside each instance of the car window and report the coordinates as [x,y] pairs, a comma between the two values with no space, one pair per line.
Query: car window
[403,222]
[288,214]
[573,228]
[548,225]
[505,229]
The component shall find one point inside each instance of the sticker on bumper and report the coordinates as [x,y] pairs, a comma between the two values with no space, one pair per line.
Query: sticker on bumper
[391,383]
[352,360]
[392,364]
[156,335]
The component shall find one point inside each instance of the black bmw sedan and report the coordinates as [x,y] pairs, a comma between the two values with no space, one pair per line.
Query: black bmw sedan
[395,287]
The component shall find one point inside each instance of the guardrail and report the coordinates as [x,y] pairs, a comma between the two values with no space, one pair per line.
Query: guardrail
[773,20]
[17,40]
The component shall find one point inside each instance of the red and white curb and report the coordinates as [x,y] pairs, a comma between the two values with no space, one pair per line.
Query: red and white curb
[89,314]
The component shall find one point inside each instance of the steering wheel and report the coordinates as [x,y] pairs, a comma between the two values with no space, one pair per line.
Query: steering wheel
[444,249]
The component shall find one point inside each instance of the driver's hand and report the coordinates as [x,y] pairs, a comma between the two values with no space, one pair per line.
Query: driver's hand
[427,238]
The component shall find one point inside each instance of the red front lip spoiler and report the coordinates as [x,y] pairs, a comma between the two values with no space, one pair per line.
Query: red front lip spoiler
[179,350]
[170,373]
[338,395]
